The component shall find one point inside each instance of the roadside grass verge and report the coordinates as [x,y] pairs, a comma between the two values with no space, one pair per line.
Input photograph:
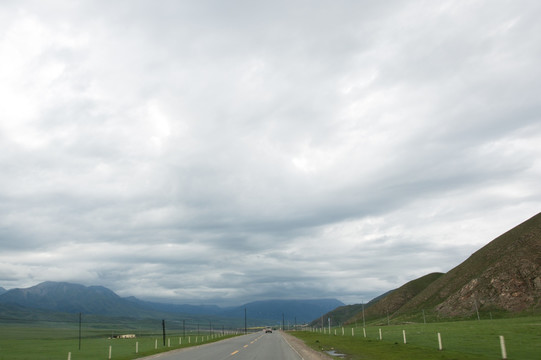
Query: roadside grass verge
[460,339]
[21,342]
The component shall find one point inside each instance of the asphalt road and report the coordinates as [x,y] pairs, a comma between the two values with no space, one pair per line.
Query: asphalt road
[258,346]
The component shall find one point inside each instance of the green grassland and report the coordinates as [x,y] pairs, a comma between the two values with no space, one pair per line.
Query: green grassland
[462,340]
[36,341]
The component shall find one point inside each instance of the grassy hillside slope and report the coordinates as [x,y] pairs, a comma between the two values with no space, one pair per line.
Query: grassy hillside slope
[503,275]
[398,298]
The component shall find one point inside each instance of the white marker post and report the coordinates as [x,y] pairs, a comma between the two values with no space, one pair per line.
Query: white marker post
[110,351]
[168,342]
[137,347]
[352,332]
[380,337]
[404,335]
[69,356]
[440,346]
[155,344]
[502,345]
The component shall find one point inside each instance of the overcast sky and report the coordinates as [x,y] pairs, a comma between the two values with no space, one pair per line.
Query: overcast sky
[230,151]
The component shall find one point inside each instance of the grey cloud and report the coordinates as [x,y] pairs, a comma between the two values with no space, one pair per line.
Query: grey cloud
[241,150]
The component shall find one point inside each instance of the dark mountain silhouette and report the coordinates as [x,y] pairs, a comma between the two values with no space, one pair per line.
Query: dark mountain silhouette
[98,300]
[301,311]
[176,308]
[71,298]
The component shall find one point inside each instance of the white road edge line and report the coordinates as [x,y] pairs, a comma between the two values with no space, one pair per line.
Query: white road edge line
[283,337]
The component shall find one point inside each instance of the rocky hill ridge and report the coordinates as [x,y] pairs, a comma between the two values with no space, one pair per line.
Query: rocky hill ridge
[502,276]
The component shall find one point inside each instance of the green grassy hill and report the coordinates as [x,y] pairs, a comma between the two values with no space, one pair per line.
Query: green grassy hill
[390,304]
[380,306]
[342,314]
[502,277]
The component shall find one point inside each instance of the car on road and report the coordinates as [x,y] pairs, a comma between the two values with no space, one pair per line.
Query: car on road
[268,330]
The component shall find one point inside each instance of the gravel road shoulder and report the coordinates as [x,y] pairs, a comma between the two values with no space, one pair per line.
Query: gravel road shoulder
[306,352]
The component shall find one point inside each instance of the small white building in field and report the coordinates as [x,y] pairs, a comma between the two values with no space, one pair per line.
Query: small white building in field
[124,336]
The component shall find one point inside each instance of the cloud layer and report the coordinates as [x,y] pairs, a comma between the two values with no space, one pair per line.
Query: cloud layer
[234,151]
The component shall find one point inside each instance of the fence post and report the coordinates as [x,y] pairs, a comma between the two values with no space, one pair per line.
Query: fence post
[137,347]
[364,331]
[352,332]
[155,344]
[502,346]
[69,356]
[380,337]
[440,346]
[110,351]
[404,334]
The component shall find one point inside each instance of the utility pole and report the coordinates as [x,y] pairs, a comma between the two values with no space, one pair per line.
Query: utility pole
[364,324]
[163,328]
[245,323]
[79,331]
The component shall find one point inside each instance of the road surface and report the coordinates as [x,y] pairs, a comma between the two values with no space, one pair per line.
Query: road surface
[258,346]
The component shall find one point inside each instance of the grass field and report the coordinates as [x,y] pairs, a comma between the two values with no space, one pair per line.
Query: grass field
[462,340]
[34,342]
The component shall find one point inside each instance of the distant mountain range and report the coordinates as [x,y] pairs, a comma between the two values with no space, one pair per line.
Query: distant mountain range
[98,300]
[502,277]
[301,310]
[72,298]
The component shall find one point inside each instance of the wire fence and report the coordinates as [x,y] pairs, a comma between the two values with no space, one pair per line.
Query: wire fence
[82,336]
[518,338]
